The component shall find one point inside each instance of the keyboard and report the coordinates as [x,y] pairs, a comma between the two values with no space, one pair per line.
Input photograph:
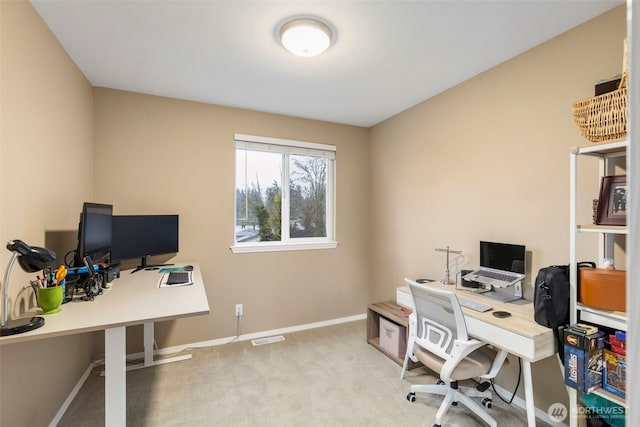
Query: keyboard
[178,277]
[474,305]
[497,276]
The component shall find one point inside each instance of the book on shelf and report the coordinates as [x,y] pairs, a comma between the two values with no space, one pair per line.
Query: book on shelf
[584,328]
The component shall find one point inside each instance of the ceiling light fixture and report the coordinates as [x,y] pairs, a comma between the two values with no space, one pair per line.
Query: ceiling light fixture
[305,37]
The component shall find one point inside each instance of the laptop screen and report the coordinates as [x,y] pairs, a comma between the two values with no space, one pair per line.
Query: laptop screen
[502,256]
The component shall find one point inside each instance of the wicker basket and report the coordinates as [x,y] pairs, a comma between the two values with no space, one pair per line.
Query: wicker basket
[604,117]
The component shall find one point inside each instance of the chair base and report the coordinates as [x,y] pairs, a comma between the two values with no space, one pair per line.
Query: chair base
[453,395]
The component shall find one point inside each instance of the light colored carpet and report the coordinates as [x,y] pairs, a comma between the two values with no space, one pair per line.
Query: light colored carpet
[320,377]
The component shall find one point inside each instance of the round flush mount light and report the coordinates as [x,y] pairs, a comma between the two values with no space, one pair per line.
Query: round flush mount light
[305,37]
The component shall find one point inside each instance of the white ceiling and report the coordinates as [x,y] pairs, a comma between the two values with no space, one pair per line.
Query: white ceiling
[387,55]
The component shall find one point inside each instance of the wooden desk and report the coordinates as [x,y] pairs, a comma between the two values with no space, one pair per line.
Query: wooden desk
[518,334]
[132,300]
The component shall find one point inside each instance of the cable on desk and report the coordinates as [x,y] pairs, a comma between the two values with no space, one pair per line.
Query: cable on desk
[493,386]
[67,262]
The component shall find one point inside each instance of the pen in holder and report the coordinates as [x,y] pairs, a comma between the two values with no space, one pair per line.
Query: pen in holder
[49,299]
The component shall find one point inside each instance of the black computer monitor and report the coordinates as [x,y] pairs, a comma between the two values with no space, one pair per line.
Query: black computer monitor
[94,232]
[142,236]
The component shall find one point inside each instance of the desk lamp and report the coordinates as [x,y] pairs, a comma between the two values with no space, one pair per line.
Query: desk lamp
[31,259]
[447,280]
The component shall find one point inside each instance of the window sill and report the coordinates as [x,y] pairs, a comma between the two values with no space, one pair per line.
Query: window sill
[281,247]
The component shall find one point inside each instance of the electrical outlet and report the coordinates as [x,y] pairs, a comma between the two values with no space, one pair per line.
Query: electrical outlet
[238,309]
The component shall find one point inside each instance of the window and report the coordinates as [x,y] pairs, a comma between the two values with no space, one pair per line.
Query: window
[284,195]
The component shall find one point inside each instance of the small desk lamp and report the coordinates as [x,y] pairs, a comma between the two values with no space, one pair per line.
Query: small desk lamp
[31,259]
[446,279]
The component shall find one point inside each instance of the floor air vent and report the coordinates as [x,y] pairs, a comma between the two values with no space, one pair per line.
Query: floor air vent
[267,340]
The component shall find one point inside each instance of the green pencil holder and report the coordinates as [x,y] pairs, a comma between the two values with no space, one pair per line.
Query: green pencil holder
[49,299]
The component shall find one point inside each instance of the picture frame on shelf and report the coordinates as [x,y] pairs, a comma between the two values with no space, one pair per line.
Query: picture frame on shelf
[613,200]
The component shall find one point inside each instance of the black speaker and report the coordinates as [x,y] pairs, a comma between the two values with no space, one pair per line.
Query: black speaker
[468,283]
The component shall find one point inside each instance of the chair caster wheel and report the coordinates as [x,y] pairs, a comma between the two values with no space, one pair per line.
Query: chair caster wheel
[435,425]
[486,402]
[454,403]
[411,397]
[440,382]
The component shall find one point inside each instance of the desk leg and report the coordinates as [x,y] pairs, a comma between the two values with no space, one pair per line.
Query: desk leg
[115,388]
[148,351]
[528,393]
[148,343]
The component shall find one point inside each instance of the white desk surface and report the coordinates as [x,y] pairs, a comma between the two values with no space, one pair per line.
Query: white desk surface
[133,299]
[519,334]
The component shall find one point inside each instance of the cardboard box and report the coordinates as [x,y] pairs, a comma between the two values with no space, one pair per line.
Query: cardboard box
[618,346]
[583,360]
[584,342]
[614,373]
[393,337]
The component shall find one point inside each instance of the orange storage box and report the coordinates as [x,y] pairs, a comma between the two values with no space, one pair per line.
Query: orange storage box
[603,289]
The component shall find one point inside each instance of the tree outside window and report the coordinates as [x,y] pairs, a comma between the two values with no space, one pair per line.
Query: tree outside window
[308,191]
[278,185]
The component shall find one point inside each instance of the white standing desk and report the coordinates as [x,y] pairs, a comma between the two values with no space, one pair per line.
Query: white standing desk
[133,299]
[518,334]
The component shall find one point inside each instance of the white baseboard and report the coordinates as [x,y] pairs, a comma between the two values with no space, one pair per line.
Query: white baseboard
[248,337]
[520,403]
[209,343]
[72,395]
[540,414]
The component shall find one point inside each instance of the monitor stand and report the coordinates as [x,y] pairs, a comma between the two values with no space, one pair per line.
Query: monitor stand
[144,266]
[507,294]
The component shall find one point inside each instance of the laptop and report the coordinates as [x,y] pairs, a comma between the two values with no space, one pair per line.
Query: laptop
[501,265]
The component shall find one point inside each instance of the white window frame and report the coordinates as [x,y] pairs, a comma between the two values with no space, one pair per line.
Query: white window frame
[287,146]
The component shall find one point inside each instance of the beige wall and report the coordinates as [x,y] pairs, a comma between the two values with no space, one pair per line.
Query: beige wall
[160,155]
[46,172]
[405,187]
[504,135]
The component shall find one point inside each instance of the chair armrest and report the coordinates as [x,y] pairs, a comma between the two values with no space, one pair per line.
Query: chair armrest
[497,364]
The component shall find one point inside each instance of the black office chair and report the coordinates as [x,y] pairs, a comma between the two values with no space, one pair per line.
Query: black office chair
[438,338]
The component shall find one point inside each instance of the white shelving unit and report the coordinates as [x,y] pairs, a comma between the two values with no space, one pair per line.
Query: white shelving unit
[606,154]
